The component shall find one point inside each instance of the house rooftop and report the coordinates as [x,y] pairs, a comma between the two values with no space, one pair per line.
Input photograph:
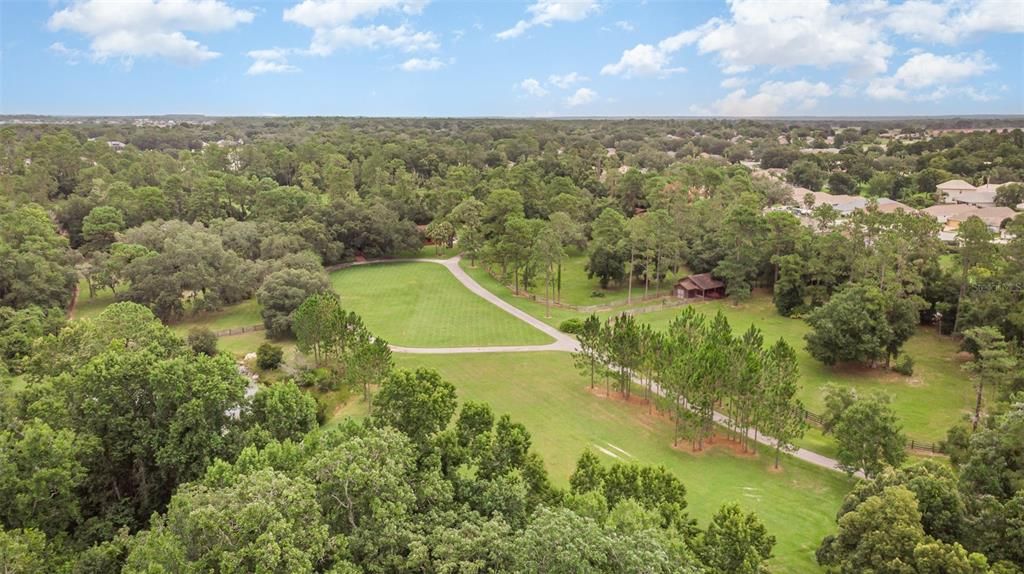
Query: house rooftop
[976,197]
[950,210]
[702,281]
[992,216]
[992,186]
[955,184]
[886,205]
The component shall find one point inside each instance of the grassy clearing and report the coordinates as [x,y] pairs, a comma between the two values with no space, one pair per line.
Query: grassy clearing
[580,290]
[86,306]
[535,308]
[240,345]
[481,276]
[239,315]
[423,305]
[543,391]
[242,314]
[935,398]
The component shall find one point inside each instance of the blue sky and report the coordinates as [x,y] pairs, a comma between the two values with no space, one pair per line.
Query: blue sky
[546,58]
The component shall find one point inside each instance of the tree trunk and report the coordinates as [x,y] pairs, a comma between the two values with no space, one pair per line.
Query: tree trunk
[629,290]
[547,291]
[960,298]
[977,405]
[559,290]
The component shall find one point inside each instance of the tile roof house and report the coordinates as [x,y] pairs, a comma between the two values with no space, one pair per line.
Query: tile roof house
[948,190]
[847,204]
[994,217]
[886,205]
[993,187]
[946,211]
[977,197]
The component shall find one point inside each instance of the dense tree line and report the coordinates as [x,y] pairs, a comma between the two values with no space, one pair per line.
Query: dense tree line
[930,518]
[129,452]
[126,435]
[699,366]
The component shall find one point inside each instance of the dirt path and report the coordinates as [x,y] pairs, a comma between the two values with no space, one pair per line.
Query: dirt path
[563,343]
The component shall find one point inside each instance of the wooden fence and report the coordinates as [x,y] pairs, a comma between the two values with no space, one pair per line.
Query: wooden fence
[912,443]
[239,330]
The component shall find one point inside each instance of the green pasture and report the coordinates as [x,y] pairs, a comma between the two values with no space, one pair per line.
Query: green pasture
[423,305]
[544,392]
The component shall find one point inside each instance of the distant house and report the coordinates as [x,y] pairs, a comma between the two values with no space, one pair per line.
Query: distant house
[700,286]
[945,212]
[948,190]
[995,217]
[977,198]
[886,205]
[116,145]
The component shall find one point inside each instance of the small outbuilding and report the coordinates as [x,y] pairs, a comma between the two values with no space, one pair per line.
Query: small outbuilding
[700,286]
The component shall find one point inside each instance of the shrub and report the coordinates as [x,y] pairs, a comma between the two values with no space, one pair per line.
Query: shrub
[269,356]
[202,341]
[322,378]
[904,365]
[571,326]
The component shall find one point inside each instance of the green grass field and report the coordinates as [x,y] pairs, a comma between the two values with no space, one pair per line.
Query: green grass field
[86,306]
[935,398]
[928,403]
[579,290]
[423,305]
[243,314]
[543,391]
[240,315]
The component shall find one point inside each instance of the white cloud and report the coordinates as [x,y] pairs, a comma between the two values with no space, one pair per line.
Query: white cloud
[422,65]
[772,98]
[853,35]
[546,12]
[327,40]
[733,82]
[565,81]
[885,89]
[333,25]
[950,23]
[806,33]
[581,97]
[270,61]
[148,28]
[625,25]
[532,88]
[331,13]
[650,60]
[927,71]
[70,55]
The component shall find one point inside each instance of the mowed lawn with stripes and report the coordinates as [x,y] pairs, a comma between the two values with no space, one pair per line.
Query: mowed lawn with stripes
[544,392]
[424,305]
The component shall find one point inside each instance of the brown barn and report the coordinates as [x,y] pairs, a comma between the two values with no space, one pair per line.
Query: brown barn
[700,286]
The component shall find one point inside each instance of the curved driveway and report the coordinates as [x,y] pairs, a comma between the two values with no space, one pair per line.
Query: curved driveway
[563,343]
